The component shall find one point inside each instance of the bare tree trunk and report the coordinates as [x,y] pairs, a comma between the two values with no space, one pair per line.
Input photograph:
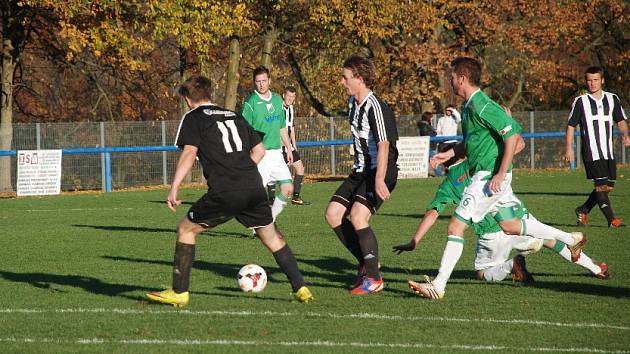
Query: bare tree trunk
[269,40]
[517,93]
[6,113]
[231,86]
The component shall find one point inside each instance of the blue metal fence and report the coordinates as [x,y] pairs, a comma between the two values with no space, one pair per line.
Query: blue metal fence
[108,151]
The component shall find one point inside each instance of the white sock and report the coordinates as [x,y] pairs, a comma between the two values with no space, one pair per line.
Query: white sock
[566,254]
[277,206]
[452,252]
[535,228]
[499,272]
[586,262]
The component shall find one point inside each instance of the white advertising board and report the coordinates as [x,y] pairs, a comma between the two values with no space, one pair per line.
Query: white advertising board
[413,157]
[38,172]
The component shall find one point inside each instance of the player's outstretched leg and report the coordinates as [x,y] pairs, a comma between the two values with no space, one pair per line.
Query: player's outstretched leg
[534,228]
[286,261]
[598,270]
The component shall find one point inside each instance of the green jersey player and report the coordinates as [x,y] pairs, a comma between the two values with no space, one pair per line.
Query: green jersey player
[491,138]
[493,261]
[264,111]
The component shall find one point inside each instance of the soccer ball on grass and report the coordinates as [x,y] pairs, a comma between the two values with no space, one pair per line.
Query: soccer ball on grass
[252,278]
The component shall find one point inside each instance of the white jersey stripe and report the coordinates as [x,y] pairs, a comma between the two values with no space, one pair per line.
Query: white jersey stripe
[586,105]
[378,118]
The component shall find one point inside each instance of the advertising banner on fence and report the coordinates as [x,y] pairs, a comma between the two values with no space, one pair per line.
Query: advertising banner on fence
[413,157]
[38,172]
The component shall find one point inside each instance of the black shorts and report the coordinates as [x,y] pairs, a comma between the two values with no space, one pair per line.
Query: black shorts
[602,172]
[296,155]
[250,207]
[359,187]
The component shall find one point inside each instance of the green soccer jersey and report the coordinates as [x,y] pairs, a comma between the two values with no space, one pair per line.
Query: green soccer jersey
[485,126]
[266,116]
[451,191]
[452,188]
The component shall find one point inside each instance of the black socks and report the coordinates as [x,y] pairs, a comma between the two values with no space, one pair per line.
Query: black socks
[184,257]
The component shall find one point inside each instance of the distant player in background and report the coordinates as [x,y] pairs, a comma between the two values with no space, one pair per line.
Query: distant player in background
[373,175]
[263,109]
[595,112]
[289,97]
[228,149]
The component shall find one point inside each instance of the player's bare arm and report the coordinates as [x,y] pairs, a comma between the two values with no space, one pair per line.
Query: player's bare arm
[184,165]
[425,225]
[284,136]
[520,145]
[568,153]
[257,152]
[441,157]
[381,170]
[623,129]
[506,161]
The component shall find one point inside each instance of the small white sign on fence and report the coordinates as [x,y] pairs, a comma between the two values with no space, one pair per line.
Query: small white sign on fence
[38,172]
[413,157]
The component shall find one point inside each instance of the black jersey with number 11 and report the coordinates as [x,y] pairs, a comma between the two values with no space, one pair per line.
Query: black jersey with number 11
[224,140]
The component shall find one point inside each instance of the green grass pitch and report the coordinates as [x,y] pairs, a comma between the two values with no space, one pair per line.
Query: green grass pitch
[74,270]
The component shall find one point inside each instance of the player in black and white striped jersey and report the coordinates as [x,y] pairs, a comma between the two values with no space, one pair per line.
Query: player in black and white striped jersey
[288,97]
[373,176]
[596,112]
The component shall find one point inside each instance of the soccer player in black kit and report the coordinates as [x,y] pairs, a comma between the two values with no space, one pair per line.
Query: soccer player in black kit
[228,149]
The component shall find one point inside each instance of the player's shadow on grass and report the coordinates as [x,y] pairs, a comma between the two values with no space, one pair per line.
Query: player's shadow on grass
[414,216]
[209,232]
[125,228]
[89,284]
[164,202]
[229,270]
[557,194]
[581,288]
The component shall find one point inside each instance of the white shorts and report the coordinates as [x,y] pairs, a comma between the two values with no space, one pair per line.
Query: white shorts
[478,200]
[496,247]
[272,167]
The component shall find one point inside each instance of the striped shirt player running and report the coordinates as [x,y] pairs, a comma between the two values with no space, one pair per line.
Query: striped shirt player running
[491,138]
[373,176]
[596,112]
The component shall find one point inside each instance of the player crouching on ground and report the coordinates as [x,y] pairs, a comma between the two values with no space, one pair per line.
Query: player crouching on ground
[228,149]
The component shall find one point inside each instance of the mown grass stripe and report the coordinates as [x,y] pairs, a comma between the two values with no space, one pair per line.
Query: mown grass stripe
[374,316]
[228,342]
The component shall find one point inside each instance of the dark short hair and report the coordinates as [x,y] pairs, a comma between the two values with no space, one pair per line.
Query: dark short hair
[361,67]
[469,67]
[290,89]
[196,88]
[426,116]
[259,71]
[594,70]
[449,106]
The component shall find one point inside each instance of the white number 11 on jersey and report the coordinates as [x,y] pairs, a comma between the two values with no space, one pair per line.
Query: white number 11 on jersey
[225,135]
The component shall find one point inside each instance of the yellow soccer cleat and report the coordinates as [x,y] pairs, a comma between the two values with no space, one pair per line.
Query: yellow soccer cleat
[169,296]
[303,295]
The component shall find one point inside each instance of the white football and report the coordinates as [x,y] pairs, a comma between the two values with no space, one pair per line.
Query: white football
[252,278]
